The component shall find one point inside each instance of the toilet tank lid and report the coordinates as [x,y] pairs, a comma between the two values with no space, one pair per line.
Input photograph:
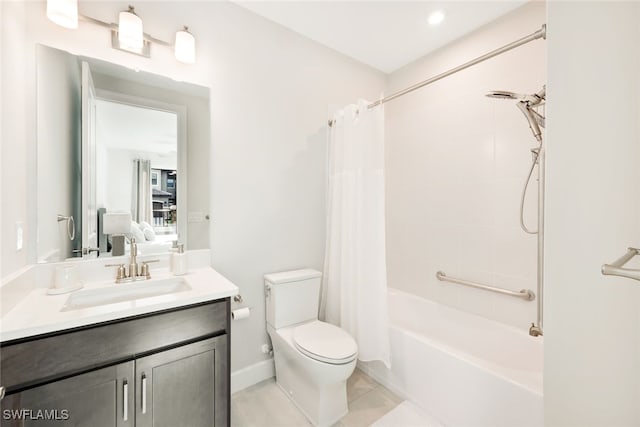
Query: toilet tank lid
[292,276]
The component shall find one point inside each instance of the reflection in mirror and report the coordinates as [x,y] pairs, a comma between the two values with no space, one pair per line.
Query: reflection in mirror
[112,156]
[136,173]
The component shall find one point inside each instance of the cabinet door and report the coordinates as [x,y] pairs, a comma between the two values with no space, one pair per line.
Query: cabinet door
[187,386]
[98,398]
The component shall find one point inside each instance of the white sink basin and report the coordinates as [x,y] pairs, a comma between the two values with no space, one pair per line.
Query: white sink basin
[124,292]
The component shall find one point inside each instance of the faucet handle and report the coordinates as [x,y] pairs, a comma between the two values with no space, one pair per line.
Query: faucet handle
[144,269]
[121,272]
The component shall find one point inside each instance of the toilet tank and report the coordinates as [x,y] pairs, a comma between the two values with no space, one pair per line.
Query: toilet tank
[292,297]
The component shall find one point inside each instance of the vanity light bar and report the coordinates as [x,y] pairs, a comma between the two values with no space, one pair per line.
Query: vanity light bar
[145,50]
[184,53]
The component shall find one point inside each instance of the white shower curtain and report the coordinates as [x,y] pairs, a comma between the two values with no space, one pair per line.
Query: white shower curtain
[354,291]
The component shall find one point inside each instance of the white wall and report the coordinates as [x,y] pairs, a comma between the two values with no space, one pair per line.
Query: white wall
[456,163]
[269,156]
[58,140]
[270,92]
[18,126]
[2,226]
[592,327]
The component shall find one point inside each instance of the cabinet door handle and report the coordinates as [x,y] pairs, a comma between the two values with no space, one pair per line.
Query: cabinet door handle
[144,393]
[125,400]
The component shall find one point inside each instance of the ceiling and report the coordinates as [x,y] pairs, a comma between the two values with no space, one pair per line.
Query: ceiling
[383,34]
[123,126]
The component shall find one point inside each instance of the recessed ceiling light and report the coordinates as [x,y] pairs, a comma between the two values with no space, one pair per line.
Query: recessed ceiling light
[436,17]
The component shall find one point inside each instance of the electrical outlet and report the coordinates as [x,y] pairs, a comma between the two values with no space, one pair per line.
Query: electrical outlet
[19,236]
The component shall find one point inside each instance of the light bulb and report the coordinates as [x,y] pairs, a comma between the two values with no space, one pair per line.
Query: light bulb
[63,12]
[185,47]
[130,33]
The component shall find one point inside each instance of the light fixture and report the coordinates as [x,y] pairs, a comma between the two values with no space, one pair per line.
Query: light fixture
[436,17]
[63,12]
[130,33]
[185,47]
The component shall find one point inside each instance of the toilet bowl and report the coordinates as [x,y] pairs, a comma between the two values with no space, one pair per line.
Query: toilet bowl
[313,359]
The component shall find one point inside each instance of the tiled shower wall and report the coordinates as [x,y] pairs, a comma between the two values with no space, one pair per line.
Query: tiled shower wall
[456,164]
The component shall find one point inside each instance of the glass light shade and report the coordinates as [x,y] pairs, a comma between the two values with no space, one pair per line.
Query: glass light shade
[130,32]
[63,12]
[185,48]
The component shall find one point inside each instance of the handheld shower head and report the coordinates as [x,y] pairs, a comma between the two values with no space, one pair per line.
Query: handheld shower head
[533,123]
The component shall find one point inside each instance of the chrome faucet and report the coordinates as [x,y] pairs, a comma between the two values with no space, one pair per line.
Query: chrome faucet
[135,273]
[133,261]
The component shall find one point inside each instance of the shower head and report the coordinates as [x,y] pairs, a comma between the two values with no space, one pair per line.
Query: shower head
[526,104]
[503,94]
[531,100]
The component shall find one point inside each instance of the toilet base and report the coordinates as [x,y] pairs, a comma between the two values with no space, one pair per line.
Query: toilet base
[318,389]
[323,404]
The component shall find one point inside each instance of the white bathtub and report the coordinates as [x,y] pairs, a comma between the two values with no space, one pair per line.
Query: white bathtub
[460,368]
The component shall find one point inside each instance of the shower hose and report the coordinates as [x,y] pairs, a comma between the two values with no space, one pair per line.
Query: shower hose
[524,191]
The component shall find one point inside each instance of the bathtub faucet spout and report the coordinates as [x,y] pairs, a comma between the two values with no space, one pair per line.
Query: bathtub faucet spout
[535,331]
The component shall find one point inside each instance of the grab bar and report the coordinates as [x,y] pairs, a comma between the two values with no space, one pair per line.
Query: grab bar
[615,268]
[524,293]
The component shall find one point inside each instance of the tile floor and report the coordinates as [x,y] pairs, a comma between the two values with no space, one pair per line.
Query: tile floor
[265,405]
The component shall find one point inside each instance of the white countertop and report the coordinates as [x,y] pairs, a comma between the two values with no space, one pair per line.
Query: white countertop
[39,313]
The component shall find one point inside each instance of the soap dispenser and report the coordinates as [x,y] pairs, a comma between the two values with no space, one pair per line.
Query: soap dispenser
[179,261]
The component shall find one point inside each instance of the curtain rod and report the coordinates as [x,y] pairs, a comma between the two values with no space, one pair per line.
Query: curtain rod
[540,34]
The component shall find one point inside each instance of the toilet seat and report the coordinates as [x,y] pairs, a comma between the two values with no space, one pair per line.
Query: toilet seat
[325,343]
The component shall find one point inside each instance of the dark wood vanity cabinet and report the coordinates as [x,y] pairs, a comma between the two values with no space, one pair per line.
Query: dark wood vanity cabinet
[168,368]
[95,398]
[178,387]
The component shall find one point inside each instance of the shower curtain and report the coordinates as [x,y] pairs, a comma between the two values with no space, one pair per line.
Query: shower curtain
[142,207]
[354,288]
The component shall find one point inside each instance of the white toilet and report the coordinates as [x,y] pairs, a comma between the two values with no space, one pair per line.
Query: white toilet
[313,358]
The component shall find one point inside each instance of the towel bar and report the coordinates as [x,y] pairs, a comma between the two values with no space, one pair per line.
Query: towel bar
[616,267]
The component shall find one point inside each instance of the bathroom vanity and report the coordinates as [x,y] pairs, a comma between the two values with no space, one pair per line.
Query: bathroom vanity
[121,351]
[160,360]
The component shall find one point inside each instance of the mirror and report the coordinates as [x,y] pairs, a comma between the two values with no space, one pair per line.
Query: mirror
[113,150]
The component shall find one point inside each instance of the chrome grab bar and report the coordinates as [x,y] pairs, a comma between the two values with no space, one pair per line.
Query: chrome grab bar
[524,293]
[616,267]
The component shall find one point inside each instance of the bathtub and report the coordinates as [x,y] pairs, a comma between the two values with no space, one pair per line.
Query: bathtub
[462,369]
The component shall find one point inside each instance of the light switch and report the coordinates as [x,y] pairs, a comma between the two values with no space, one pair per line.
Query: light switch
[19,236]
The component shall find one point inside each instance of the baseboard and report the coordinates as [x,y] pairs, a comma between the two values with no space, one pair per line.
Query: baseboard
[253,374]
[382,379]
